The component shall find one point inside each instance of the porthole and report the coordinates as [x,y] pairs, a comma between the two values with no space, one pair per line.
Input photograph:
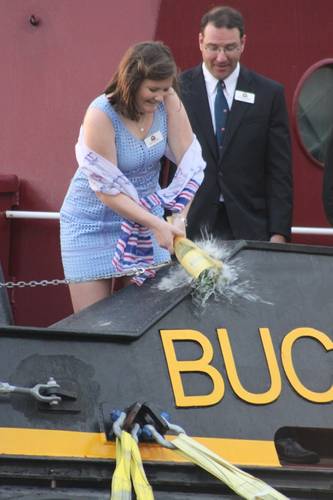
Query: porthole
[313,109]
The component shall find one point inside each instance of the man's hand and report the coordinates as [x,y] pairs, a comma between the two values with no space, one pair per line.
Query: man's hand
[278,238]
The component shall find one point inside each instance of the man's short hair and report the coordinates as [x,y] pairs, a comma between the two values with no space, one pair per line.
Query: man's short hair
[223,17]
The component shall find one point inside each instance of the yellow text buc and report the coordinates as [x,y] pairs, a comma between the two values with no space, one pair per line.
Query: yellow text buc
[203,365]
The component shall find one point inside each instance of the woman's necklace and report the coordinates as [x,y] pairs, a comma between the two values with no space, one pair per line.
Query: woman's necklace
[142,124]
[141,127]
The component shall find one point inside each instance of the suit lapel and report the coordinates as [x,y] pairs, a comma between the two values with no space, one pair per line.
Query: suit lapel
[238,108]
[201,110]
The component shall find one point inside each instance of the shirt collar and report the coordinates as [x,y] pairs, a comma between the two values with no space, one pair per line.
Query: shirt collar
[230,82]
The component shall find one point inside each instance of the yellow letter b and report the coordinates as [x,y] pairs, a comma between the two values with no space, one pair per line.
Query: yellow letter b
[201,365]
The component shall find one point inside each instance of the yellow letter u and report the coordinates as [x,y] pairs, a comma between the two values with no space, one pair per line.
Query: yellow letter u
[255,398]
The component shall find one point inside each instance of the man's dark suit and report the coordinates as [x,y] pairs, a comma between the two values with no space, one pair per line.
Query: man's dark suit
[253,171]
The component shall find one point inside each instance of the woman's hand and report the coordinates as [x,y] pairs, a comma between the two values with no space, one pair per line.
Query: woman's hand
[165,234]
[178,221]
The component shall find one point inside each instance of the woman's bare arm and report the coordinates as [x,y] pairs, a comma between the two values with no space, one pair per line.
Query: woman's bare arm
[180,135]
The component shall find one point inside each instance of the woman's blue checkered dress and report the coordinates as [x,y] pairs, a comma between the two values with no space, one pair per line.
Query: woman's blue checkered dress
[89,230]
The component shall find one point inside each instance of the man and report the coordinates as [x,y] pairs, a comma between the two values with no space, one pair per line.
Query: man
[247,190]
[245,139]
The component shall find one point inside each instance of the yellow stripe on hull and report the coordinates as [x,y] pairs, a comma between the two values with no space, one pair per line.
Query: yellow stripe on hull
[71,444]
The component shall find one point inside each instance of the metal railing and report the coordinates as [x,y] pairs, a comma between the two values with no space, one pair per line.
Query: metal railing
[20,214]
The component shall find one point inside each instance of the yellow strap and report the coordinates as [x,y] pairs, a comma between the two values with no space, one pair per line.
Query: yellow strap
[121,488]
[241,482]
[142,488]
[129,465]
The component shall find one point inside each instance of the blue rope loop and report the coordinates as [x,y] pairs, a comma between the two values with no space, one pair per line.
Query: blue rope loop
[145,423]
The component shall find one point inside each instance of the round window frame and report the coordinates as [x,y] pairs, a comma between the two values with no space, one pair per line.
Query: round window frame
[305,76]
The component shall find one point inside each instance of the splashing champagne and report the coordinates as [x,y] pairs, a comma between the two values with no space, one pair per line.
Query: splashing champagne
[207,274]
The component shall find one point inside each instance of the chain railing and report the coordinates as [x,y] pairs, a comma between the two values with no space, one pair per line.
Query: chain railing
[33,283]
[136,271]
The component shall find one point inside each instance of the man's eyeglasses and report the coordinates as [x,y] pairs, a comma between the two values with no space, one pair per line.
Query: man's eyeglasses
[228,50]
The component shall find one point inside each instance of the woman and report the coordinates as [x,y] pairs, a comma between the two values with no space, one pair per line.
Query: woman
[112,216]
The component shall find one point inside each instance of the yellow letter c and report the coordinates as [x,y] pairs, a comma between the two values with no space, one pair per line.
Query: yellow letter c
[287,361]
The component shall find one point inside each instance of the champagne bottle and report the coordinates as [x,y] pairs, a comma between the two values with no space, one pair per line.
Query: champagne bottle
[194,260]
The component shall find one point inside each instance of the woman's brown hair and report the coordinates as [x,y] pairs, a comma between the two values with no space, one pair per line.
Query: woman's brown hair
[146,60]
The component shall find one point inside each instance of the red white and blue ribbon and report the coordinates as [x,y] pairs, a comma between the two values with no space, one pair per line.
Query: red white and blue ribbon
[134,248]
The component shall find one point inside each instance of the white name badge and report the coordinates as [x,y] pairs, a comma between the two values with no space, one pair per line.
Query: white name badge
[241,95]
[154,139]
